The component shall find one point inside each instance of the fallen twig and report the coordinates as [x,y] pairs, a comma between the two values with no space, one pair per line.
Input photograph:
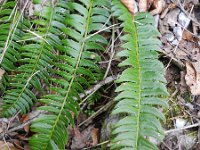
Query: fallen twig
[97,87]
[183,128]
[175,61]
[102,109]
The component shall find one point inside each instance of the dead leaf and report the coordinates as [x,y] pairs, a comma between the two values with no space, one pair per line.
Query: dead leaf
[129,4]
[1,73]
[143,5]
[94,135]
[88,137]
[78,141]
[24,119]
[7,146]
[192,77]
[188,36]
[158,5]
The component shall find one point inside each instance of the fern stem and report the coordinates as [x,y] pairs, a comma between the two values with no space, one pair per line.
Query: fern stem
[139,85]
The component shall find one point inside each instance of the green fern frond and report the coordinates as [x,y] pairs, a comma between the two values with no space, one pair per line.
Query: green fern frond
[76,69]
[142,87]
[11,25]
[37,56]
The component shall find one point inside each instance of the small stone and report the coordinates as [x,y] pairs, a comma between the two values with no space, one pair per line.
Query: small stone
[175,42]
[178,32]
[169,37]
[180,123]
[183,20]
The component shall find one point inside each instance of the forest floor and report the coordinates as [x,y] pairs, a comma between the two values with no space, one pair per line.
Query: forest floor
[179,24]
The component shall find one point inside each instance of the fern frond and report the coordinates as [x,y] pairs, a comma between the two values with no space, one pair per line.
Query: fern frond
[75,70]
[36,58]
[142,87]
[11,25]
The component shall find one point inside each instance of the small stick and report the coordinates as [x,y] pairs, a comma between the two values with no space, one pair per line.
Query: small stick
[102,109]
[183,128]
[97,87]
[112,52]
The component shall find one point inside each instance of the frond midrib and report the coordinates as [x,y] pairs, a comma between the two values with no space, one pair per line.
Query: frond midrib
[139,87]
[74,73]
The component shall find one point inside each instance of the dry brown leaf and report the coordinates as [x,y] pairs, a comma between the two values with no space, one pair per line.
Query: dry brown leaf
[187,36]
[192,77]
[129,4]
[158,5]
[94,135]
[24,119]
[143,5]
[85,138]
[7,146]
[1,73]
[79,141]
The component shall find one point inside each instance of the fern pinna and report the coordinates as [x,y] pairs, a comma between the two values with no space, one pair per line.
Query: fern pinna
[74,70]
[142,86]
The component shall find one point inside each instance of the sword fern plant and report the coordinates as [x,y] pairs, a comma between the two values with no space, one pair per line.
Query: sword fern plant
[74,69]
[142,87]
